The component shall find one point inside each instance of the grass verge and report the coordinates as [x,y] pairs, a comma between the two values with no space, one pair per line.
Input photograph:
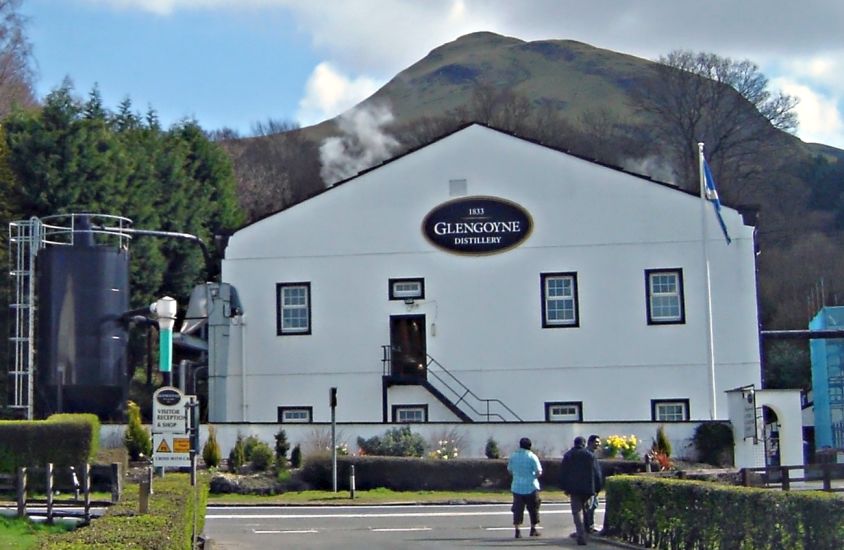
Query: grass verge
[22,534]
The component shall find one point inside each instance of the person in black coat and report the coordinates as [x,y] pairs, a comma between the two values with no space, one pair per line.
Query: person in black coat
[581,479]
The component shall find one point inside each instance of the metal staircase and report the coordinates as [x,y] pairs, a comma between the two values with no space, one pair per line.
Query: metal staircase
[451,392]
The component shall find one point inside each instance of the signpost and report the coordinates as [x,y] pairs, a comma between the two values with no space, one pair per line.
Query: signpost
[171,428]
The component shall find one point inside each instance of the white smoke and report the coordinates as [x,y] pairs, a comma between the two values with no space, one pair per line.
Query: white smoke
[362,145]
[654,167]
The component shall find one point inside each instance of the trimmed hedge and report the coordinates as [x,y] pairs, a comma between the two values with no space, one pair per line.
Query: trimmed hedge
[62,439]
[685,515]
[167,526]
[420,474]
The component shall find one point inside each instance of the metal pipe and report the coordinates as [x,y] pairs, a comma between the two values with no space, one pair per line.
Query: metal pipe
[802,334]
[174,234]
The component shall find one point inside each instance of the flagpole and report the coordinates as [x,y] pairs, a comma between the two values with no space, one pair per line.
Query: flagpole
[710,345]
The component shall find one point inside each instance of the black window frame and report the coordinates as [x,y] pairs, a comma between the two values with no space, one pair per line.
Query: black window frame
[543,277]
[677,271]
[684,401]
[549,404]
[420,280]
[396,408]
[282,410]
[280,330]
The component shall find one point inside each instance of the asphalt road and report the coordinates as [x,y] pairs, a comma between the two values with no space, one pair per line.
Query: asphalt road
[386,527]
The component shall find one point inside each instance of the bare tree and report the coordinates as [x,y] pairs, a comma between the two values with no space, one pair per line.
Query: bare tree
[702,97]
[16,72]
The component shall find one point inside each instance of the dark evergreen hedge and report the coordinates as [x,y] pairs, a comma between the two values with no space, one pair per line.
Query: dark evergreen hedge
[421,474]
[685,515]
[62,439]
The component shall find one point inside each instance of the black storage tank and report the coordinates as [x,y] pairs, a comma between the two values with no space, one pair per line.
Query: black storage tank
[83,290]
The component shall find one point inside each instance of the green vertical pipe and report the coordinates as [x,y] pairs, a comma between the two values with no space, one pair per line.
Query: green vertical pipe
[165,350]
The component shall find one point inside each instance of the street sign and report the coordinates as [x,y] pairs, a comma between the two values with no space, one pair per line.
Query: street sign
[169,411]
[171,442]
[171,451]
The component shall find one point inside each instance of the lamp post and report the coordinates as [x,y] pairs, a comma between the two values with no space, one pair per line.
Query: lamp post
[165,310]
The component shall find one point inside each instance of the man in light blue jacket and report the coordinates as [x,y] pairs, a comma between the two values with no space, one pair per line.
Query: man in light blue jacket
[525,469]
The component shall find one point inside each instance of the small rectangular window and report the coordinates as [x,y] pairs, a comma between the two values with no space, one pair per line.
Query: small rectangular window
[410,413]
[295,415]
[669,410]
[559,300]
[407,289]
[664,289]
[568,411]
[294,308]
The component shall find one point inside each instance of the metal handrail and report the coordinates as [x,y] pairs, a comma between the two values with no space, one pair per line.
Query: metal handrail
[460,394]
[467,391]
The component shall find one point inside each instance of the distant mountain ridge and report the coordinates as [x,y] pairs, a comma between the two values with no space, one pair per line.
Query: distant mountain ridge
[570,76]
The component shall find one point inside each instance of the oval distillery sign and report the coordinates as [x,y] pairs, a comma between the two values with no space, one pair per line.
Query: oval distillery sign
[168,396]
[477,225]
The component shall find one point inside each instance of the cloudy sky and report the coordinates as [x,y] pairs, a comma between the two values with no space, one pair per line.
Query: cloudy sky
[231,63]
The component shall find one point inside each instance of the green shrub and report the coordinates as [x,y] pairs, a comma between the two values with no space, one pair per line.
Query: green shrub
[713,440]
[249,444]
[669,513]
[63,440]
[261,456]
[136,438]
[491,450]
[395,442]
[661,443]
[237,456]
[281,448]
[296,456]
[211,452]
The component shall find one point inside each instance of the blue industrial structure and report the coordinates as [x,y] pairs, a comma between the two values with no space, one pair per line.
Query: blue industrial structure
[828,379]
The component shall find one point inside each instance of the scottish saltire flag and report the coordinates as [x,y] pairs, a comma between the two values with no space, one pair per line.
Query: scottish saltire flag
[712,196]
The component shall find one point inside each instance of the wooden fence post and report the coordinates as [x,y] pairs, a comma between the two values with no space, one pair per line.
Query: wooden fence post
[827,476]
[116,483]
[786,482]
[22,492]
[86,492]
[49,491]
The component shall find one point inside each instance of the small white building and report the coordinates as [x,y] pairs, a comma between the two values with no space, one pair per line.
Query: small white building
[482,278]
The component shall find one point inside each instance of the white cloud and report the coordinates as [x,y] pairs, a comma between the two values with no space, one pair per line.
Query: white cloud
[819,114]
[329,93]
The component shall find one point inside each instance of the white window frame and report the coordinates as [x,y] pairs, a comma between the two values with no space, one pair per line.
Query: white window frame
[574,413]
[282,305]
[548,300]
[295,415]
[660,410]
[651,276]
[399,410]
[407,289]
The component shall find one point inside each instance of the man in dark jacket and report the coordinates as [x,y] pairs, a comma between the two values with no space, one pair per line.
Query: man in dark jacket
[581,479]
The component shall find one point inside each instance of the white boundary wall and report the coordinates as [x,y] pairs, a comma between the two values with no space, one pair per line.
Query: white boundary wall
[549,440]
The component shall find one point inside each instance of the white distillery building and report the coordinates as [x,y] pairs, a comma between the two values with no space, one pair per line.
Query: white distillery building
[487,278]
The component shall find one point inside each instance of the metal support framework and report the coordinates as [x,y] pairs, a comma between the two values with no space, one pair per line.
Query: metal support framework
[26,239]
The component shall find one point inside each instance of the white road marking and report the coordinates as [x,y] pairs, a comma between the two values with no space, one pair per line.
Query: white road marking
[399,529]
[538,528]
[289,532]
